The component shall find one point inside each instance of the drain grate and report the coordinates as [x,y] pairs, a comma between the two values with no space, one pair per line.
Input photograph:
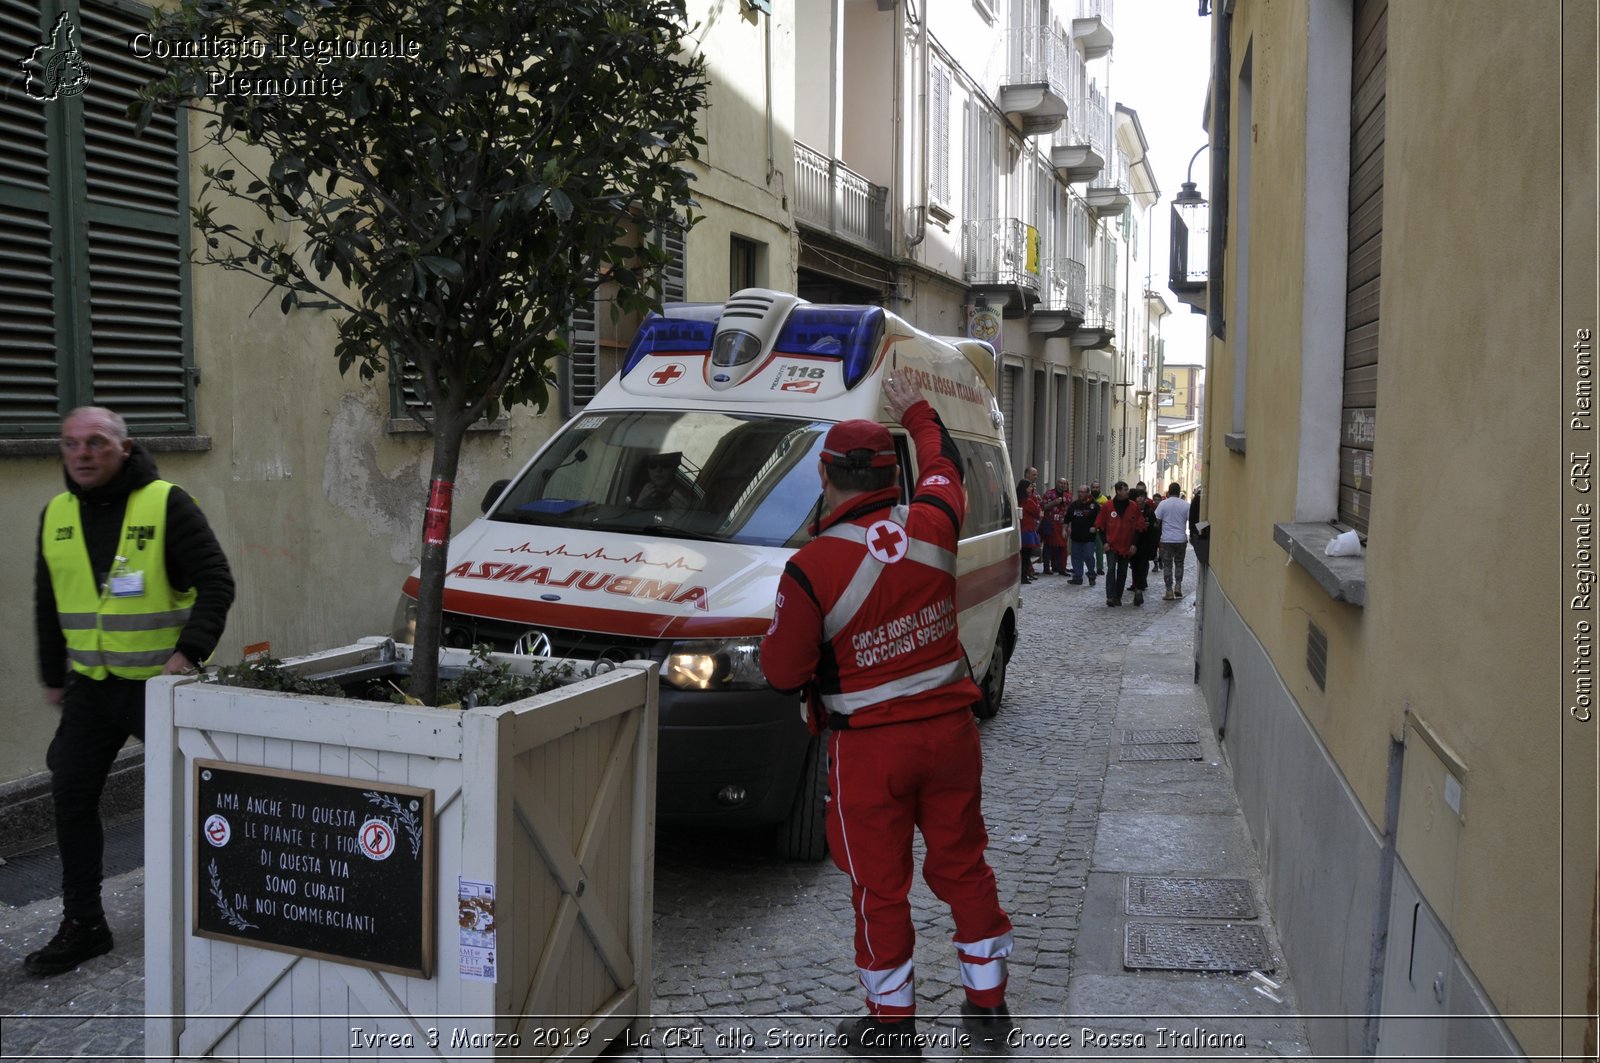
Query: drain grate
[1161,751]
[1195,947]
[36,875]
[1189,898]
[1171,734]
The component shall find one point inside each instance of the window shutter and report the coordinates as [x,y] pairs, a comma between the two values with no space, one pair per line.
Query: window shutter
[29,374]
[1359,420]
[939,136]
[137,229]
[583,357]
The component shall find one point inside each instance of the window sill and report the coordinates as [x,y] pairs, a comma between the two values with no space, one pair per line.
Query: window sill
[406,426]
[33,448]
[1344,578]
[1234,441]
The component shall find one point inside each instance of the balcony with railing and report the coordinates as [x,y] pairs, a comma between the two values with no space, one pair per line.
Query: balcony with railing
[1078,150]
[1108,194]
[1099,326]
[1062,299]
[1033,90]
[834,198]
[1091,30]
[1000,259]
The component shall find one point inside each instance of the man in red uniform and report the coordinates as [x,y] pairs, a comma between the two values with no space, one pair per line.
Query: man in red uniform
[865,623]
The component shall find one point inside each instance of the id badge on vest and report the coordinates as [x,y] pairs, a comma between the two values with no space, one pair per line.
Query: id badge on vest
[125,584]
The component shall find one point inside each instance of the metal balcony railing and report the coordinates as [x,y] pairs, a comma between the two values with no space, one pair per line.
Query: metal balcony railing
[1037,57]
[833,197]
[1000,251]
[1096,124]
[1065,285]
[1101,312]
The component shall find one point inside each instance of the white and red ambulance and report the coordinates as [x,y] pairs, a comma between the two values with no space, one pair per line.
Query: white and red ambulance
[656,523]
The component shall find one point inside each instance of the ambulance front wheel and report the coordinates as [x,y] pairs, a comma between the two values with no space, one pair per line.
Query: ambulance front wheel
[804,836]
[994,679]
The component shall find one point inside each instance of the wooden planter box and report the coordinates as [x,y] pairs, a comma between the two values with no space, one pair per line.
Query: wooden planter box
[549,802]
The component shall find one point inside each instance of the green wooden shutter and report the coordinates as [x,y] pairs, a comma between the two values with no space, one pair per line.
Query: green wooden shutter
[29,374]
[94,282]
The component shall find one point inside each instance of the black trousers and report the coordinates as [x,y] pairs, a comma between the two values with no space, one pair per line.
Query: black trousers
[97,716]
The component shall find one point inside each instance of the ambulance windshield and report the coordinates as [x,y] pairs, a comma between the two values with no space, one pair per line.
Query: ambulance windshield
[695,475]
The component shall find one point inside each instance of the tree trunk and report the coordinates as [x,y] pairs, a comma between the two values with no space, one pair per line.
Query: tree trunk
[447,437]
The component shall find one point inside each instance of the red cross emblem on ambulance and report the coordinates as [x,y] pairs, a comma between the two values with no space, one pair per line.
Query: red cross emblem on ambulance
[666,374]
[887,541]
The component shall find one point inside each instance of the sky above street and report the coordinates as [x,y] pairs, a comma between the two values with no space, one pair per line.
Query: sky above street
[1160,65]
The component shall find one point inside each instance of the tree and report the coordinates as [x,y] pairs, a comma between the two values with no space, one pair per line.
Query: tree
[457,176]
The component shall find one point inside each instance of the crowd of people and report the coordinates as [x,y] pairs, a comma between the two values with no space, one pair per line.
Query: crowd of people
[1088,535]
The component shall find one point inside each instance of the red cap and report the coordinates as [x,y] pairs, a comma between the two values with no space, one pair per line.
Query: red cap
[847,436]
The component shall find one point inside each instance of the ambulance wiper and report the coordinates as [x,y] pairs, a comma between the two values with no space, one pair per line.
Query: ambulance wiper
[667,531]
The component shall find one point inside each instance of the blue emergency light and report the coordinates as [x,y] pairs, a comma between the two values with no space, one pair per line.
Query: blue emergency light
[849,333]
[670,335]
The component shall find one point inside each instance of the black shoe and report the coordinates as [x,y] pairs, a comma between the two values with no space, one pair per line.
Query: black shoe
[1138,597]
[1075,582]
[867,1038]
[1091,579]
[75,942]
[987,1027]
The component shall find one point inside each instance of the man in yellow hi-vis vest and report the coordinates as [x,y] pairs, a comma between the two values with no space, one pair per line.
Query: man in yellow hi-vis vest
[130,583]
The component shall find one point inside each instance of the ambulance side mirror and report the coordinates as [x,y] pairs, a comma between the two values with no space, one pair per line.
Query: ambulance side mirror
[493,493]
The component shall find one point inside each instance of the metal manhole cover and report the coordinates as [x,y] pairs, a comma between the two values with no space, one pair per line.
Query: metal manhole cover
[1171,734]
[1161,751]
[1195,947]
[1189,898]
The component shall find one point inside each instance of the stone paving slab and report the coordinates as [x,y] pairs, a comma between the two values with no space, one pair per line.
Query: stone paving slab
[1168,786]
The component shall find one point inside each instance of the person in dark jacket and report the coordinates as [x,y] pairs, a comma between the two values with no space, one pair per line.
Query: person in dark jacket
[129,583]
[1081,515]
[1147,544]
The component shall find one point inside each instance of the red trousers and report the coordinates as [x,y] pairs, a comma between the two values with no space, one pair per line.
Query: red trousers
[883,782]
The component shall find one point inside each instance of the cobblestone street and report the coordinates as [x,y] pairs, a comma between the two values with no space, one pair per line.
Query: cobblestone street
[753,956]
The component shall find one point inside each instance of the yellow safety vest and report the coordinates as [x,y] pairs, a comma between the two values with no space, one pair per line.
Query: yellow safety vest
[131,635]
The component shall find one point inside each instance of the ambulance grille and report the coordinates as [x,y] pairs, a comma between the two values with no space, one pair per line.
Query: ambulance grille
[463,632]
[755,307]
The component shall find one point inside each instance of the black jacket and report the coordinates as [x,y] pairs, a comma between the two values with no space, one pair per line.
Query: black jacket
[194,559]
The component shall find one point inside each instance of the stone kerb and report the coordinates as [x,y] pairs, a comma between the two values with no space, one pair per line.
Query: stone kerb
[549,801]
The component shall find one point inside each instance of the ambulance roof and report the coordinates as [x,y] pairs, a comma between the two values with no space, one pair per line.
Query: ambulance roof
[776,354]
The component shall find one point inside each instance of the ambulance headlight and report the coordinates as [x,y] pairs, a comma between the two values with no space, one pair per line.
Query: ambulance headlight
[404,628]
[731,664]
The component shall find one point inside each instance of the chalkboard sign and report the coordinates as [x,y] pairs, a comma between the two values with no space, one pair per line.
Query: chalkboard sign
[321,866]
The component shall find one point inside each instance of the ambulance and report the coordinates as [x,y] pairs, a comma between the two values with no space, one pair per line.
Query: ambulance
[655,524]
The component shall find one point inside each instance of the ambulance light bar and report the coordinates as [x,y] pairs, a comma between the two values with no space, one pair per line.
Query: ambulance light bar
[670,335]
[849,333]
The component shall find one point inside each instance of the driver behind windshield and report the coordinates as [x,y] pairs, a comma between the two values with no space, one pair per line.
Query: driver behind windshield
[662,488]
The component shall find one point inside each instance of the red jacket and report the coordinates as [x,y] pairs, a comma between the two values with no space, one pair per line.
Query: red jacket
[866,611]
[1030,512]
[1120,529]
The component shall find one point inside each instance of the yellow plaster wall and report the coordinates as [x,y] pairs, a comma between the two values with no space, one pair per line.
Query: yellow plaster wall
[1461,625]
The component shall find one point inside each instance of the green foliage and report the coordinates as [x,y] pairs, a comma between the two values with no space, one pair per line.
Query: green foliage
[457,196]
[489,682]
[268,673]
[484,681]
[453,176]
